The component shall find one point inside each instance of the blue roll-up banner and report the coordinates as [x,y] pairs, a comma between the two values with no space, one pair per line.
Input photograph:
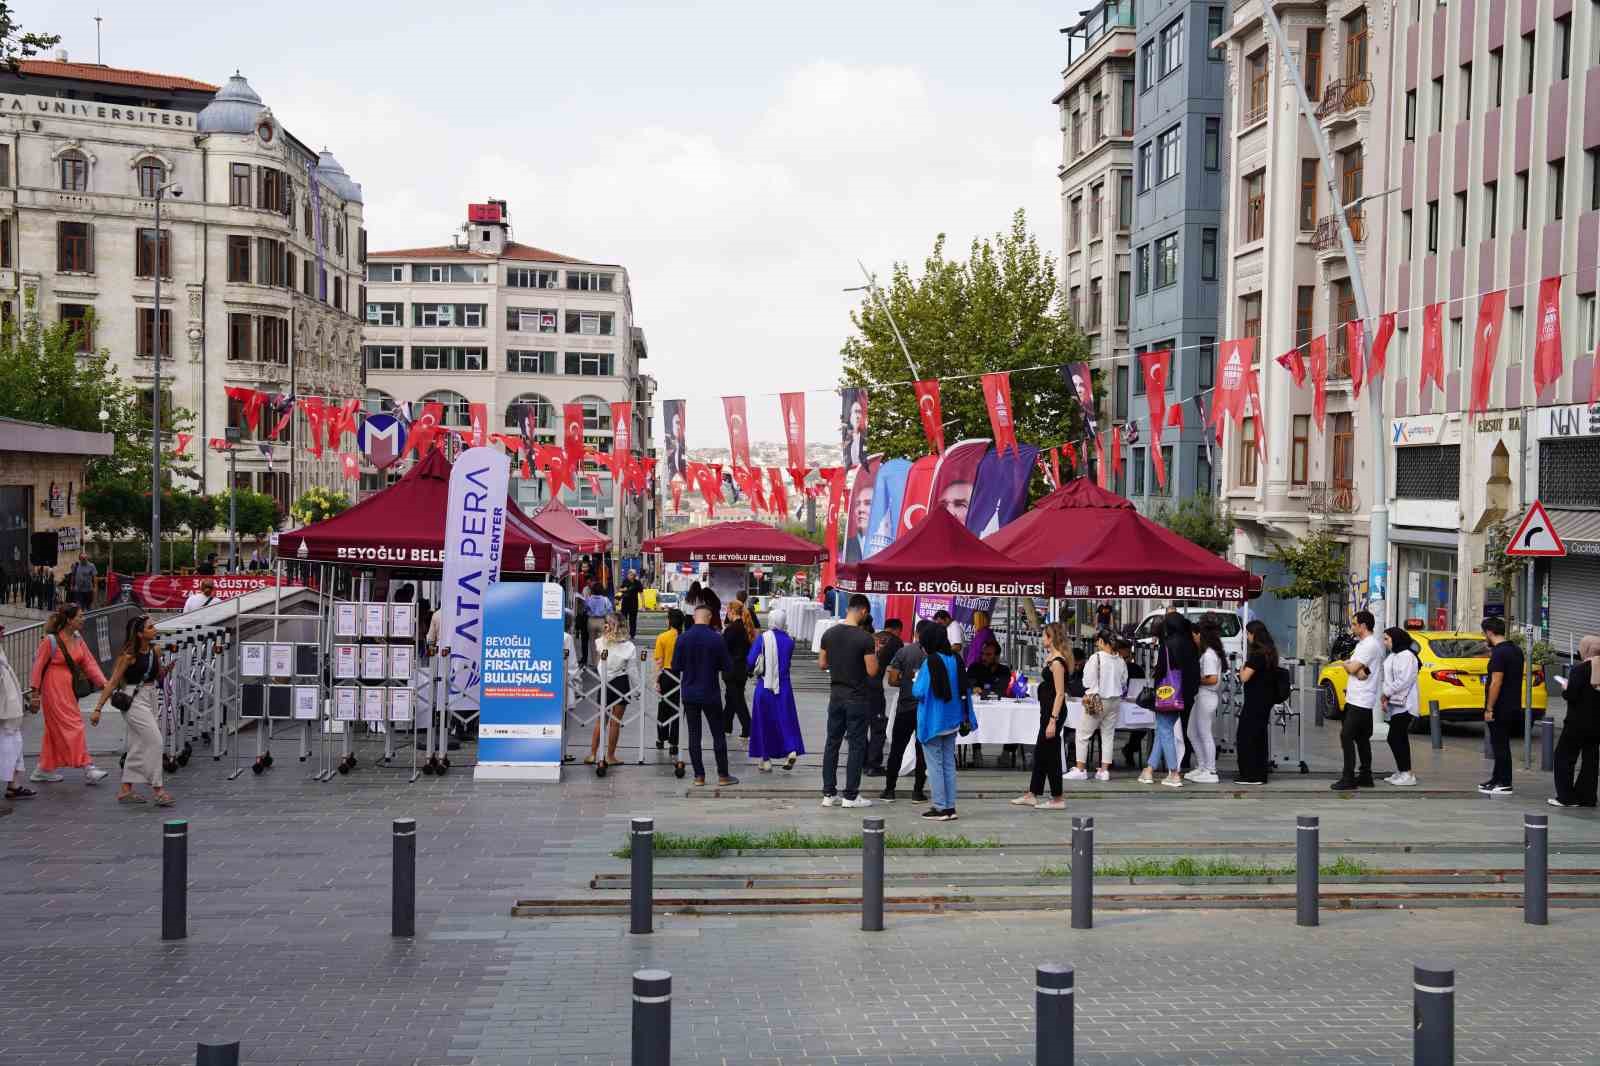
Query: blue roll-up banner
[522,699]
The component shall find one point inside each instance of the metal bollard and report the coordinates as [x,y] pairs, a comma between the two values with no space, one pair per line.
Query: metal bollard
[652,1018]
[1307,852]
[216,1054]
[1083,873]
[175,879]
[1053,1015]
[641,888]
[1433,1016]
[872,875]
[1547,744]
[1435,726]
[1535,869]
[403,909]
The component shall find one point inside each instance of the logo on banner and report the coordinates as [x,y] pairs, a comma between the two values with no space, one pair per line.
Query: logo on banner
[474,536]
[382,439]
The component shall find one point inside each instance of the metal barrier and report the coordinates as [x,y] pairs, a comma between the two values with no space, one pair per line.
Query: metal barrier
[102,630]
[642,708]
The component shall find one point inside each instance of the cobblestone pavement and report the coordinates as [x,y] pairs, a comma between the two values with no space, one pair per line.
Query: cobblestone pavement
[289,949]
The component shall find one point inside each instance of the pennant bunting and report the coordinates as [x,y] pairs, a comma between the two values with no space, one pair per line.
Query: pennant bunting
[1155,454]
[997,396]
[1100,461]
[1355,343]
[1319,380]
[183,443]
[777,497]
[1234,358]
[1432,347]
[423,432]
[622,426]
[677,496]
[1070,450]
[1157,368]
[350,466]
[1295,364]
[733,410]
[478,422]
[250,401]
[793,406]
[931,413]
[1080,379]
[1175,416]
[1055,465]
[1380,348]
[1547,336]
[572,434]
[1485,347]
[316,412]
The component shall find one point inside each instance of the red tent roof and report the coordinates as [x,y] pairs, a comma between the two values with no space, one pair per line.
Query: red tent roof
[1105,550]
[558,521]
[403,526]
[734,542]
[940,556]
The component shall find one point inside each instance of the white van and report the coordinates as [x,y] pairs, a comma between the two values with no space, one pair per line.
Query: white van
[1230,620]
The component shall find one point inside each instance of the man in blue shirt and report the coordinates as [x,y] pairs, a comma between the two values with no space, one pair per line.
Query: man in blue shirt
[699,660]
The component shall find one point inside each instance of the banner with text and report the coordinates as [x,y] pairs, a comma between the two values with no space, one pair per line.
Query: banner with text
[524,682]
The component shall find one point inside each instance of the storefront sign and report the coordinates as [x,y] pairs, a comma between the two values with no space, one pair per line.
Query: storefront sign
[69,539]
[163,593]
[1425,429]
[1503,424]
[523,683]
[1569,420]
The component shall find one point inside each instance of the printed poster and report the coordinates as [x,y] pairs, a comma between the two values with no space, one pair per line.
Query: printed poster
[519,730]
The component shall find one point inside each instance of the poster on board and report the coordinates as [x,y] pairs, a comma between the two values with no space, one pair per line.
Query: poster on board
[344,620]
[519,728]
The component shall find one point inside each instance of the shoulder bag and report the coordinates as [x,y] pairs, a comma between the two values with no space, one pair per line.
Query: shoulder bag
[81,685]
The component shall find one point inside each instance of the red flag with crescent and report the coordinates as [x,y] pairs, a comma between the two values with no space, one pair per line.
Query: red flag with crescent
[777,495]
[1485,348]
[250,400]
[1157,366]
[316,410]
[677,496]
[1319,379]
[931,413]
[1156,458]
[551,461]
[350,466]
[1295,364]
[1432,347]
[738,430]
[425,429]
[1002,418]
[1355,345]
[572,433]
[1380,347]
[1547,336]
[834,476]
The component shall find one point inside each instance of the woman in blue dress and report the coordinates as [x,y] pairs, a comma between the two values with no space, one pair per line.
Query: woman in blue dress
[775,726]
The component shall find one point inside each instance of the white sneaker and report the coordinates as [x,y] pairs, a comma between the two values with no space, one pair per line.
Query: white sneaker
[1076,774]
[1102,775]
[832,801]
[40,776]
[1171,782]
[859,801]
[1193,774]
[94,775]
[1204,777]
[1402,779]
[1390,779]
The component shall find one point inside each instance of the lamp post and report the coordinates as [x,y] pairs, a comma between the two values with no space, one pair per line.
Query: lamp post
[234,435]
[155,393]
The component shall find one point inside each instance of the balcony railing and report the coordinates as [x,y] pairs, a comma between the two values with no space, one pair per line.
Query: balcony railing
[1326,237]
[1255,107]
[1342,97]
[1332,99]
[1338,497]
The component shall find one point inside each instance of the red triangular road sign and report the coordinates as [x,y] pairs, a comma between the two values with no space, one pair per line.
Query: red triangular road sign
[1536,535]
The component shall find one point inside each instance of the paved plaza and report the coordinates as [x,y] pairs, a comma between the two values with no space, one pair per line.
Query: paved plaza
[289,948]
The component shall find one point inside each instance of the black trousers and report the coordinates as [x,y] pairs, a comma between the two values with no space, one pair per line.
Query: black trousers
[904,732]
[1251,743]
[1400,741]
[1355,737]
[844,720]
[1578,749]
[712,715]
[633,622]
[877,728]
[1047,759]
[1500,745]
[734,704]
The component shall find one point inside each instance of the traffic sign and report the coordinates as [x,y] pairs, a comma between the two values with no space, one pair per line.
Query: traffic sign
[1536,535]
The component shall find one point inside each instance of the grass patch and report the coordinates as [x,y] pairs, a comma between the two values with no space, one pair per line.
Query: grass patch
[715,845]
[1187,866]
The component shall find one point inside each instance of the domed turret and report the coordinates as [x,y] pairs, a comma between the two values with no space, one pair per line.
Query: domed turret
[331,174]
[232,110]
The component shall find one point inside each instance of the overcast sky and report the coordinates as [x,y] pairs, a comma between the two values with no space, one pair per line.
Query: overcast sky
[737,158]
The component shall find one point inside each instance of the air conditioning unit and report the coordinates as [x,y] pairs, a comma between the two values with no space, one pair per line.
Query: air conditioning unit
[550,284]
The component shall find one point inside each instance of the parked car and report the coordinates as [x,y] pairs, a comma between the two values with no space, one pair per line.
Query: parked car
[667,599]
[1454,675]
[1231,621]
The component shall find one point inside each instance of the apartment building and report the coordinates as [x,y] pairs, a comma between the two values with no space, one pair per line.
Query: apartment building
[259,250]
[487,320]
[1179,243]
[1096,105]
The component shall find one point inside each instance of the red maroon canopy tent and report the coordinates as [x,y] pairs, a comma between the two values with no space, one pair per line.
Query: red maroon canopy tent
[403,526]
[941,557]
[1102,548]
[556,520]
[734,542]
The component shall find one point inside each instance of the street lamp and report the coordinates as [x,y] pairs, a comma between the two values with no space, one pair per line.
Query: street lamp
[234,436]
[176,191]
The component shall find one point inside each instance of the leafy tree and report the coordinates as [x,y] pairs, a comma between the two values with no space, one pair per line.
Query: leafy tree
[114,508]
[1197,519]
[192,511]
[15,45]
[1000,309]
[1316,563]
[318,503]
[257,513]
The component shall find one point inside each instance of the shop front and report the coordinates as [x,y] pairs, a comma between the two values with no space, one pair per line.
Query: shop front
[1427,520]
[1569,487]
[41,475]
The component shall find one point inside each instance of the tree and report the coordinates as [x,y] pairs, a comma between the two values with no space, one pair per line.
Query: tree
[1197,519]
[318,503]
[1316,562]
[257,513]
[1001,309]
[15,45]
[192,511]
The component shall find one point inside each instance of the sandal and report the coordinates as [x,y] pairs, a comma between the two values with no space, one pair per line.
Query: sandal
[164,799]
[131,797]
[788,766]
[20,793]
[588,760]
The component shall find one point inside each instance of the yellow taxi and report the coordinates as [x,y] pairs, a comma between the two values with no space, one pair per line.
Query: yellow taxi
[1454,675]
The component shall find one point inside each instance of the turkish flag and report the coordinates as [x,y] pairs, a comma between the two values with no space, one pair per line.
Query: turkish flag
[1071,452]
[1002,420]
[1319,379]
[183,443]
[1380,347]
[1234,359]
[622,426]
[478,419]
[1174,416]
[350,466]
[1155,453]
[425,428]
[341,419]
[316,410]
[776,495]
[1547,336]
[1253,389]
[594,484]
[572,434]
[1432,346]
[1355,342]
[1116,449]
[738,431]
[1157,366]
[1485,347]
[1295,364]
[218,444]
[931,413]
[250,400]
[793,405]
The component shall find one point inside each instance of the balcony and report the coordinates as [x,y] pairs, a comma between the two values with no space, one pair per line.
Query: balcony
[1341,99]
[1337,497]
[1099,21]
[1326,237]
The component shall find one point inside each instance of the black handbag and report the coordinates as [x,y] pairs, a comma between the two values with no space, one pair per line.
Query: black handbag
[122,700]
[81,685]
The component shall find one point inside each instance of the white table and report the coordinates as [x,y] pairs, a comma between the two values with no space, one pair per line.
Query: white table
[821,627]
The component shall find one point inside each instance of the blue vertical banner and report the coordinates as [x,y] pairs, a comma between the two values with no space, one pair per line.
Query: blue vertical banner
[523,683]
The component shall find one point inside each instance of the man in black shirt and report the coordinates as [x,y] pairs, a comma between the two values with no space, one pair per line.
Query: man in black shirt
[888,642]
[989,676]
[849,654]
[631,589]
[1503,703]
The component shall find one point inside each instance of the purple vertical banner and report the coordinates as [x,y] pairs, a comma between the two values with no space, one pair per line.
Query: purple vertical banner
[1000,491]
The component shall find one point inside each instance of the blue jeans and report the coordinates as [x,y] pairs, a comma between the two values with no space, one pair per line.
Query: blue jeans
[1167,745]
[941,755]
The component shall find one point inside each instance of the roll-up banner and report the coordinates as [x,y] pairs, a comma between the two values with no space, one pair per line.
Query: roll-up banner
[474,534]
[519,729]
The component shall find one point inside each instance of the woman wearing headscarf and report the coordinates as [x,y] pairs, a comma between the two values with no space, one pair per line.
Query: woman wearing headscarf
[1580,732]
[775,723]
[1400,706]
[62,661]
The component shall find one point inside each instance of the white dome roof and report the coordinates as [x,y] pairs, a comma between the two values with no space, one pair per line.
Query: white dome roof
[232,110]
[331,174]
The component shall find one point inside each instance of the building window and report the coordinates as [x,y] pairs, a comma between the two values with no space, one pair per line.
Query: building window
[457,412]
[1564,47]
[447,358]
[1124,297]
[1305,304]
[524,278]
[1120,400]
[1138,471]
[238,258]
[591,323]
[1207,369]
[5,242]
[1096,303]
[1491,208]
[589,281]
[147,341]
[519,361]
[1141,268]
[1166,260]
[274,340]
[1247,452]
[1214,29]
[1212,156]
[1172,47]
[1411,114]
[1208,255]
[540,413]
[1558,189]
[1300,450]
[1125,200]
[1342,470]
[1466,88]
[1169,149]
[1138,372]
[1428,472]
[74,172]
[1309,169]
[81,319]
[1202,472]
[75,247]
[1591,160]
[1461,220]
[1522,199]
[1529,51]
[152,175]
[1097,207]
[338,299]
[240,332]
[1313,64]
[1147,64]
[239,187]
[147,249]
[1256,71]
[1497,74]
[1074,222]
[1352,165]
[1098,111]
[1355,53]
[385,357]
[5,166]
[270,261]
[386,314]
[1255,210]
[1438,104]
[1145,172]
[1127,107]
[1405,230]
[1250,314]
[1433,225]
[589,364]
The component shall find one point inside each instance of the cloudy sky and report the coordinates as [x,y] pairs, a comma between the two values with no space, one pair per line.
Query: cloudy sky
[737,158]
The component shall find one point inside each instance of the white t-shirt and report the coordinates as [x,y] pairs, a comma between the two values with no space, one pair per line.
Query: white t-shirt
[198,599]
[953,632]
[1364,692]
[1210,666]
[1105,674]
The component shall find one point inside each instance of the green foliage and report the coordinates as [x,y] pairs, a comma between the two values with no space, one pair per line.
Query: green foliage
[715,845]
[257,512]
[1500,569]
[15,45]
[1316,563]
[115,508]
[191,510]
[1185,866]
[1544,653]
[1199,520]
[999,310]
[318,503]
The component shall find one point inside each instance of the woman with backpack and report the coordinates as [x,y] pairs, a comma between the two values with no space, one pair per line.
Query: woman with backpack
[1261,692]
[64,672]
[1175,665]
[1400,706]
[1208,638]
[944,710]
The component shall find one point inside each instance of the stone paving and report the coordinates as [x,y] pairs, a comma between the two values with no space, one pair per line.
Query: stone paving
[289,951]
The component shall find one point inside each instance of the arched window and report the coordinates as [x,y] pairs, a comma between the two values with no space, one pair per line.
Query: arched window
[152,175]
[596,414]
[455,407]
[377,402]
[74,172]
[544,413]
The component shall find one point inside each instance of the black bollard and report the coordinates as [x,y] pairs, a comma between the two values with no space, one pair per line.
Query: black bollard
[652,1018]
[641,888]
[1547,744]
[1053,1015]
[175,879]
[1435,725]
[1535,869]
[404,907]
[216,1054]
[1307,849]
[1433,1016]
[1083,873]
[872,875]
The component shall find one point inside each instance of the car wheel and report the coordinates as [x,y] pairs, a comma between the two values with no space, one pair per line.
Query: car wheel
[1328,700]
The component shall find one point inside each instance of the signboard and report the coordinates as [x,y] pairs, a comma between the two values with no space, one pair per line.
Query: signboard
[1424,429]
[483,213]
[474,536]
[69,539]
[400,662]
[399,705]
[159,592]
[1569,420]
[372,704]
[402,620]
[382,439]
[305,703]
[1536,536]
[523,683]
[374,663]
[280,659]
[374,620]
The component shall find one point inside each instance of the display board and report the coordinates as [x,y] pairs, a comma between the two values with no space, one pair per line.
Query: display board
[521,709]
